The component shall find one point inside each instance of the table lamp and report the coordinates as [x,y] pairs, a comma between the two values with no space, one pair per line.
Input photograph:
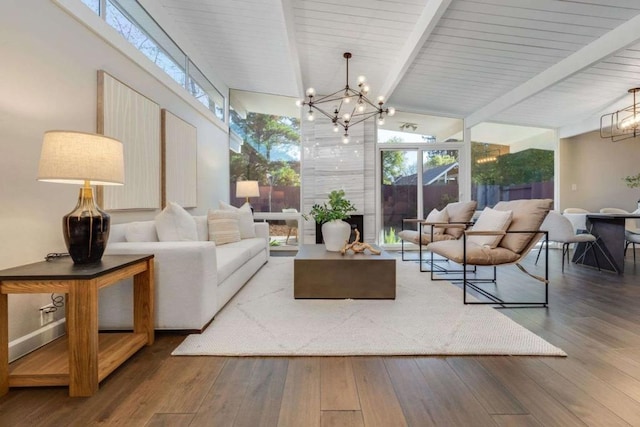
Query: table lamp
[89,159]
[247,189]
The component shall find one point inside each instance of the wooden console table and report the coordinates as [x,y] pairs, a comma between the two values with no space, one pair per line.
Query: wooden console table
[82,358]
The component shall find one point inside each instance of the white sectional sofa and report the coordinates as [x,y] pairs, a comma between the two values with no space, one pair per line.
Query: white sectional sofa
[193,279]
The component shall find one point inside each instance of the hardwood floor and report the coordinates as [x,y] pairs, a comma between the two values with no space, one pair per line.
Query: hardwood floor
[593,316]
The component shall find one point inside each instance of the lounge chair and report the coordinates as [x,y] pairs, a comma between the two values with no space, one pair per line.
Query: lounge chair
[447,224]
[495,241]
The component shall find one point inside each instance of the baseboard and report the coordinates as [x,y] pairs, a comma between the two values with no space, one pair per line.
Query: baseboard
[36,339]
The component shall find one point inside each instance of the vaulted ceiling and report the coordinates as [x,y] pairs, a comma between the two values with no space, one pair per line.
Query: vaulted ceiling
[546,63]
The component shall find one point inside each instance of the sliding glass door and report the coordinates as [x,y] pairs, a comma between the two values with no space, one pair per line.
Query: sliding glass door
[414,181]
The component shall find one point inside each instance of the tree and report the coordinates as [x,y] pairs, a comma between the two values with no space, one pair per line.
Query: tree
[266,131]
[261,133]
[393,163]
[248,164]
[440,159]
[283,174]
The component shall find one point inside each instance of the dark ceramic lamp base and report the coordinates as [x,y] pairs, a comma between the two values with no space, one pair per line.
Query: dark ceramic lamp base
[86,229]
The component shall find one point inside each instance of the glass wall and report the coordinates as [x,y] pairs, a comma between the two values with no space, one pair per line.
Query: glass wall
[511,162]
[419,169]
[505,162]
[437,175]
[269,153]
[399,191]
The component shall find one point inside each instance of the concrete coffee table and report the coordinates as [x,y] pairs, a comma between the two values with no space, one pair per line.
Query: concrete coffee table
[318,273]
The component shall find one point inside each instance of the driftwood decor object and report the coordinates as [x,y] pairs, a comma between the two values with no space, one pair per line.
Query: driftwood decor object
[134,119]
[358,247]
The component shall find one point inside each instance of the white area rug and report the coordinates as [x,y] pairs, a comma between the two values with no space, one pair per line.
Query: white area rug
[426,318]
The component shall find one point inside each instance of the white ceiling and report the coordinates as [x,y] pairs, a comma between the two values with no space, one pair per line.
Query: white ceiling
[546,63]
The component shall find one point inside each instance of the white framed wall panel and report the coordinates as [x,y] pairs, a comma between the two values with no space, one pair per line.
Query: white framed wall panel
[179,159]
[133,119]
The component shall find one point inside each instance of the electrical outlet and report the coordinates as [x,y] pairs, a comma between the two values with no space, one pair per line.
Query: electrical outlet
[46,314]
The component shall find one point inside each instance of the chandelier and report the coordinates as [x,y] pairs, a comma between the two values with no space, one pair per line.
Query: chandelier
[347,107]
[622,124]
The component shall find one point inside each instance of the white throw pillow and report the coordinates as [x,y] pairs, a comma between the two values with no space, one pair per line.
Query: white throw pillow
[245,219]
[141,231]
[436,216]
[491,220]
[174,224]
[223,227]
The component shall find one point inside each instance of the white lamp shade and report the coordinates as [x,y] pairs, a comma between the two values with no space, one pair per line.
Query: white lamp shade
[247,189]
[75,157]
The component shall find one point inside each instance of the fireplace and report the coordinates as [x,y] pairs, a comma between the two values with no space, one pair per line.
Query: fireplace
[354,220]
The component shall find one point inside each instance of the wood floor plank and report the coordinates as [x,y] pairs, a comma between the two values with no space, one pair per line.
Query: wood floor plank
[492,395]
[625,359]
[413,393]
[609,379]
[578,401]
[338,391]
[536,400]
[221,404]
[186,385]
[170,420]
[341,419]
[516,421]
[301,396]
[452,402]
[606,333]
[378,400]
[116,390]
[589,380]
[261,404]
[174,388]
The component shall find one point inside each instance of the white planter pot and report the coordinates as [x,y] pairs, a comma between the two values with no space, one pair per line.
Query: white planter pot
[335,234]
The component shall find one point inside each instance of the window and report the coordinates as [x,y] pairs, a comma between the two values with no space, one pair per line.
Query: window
[205,92]
[133,23]
[93,5]
[269,152]
[511,162]
[124,23]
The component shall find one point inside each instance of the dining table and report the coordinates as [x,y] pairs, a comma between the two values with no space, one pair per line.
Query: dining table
[609,229]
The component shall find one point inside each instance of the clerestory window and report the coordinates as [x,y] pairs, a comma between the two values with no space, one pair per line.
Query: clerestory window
[133,23]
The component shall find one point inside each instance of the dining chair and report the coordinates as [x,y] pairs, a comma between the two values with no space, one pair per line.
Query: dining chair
[561,230]
[631,238]
[578,218]
[575,210]
[631,230]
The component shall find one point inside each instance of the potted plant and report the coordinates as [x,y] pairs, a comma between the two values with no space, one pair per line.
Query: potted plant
[335,231]
[633,181]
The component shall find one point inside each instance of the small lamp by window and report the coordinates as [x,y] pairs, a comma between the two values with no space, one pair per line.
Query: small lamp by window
[89,159]
[247,189]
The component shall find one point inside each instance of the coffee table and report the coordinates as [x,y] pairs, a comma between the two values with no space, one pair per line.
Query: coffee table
[318,273]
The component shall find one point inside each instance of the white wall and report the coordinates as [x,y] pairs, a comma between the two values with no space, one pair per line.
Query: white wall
[596,167]
[48,80]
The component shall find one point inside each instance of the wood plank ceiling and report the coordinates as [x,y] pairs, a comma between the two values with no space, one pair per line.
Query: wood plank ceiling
[546,63]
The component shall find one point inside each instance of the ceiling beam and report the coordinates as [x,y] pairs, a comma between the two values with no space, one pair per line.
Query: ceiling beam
[294,58]
[427,21]
[615,40]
